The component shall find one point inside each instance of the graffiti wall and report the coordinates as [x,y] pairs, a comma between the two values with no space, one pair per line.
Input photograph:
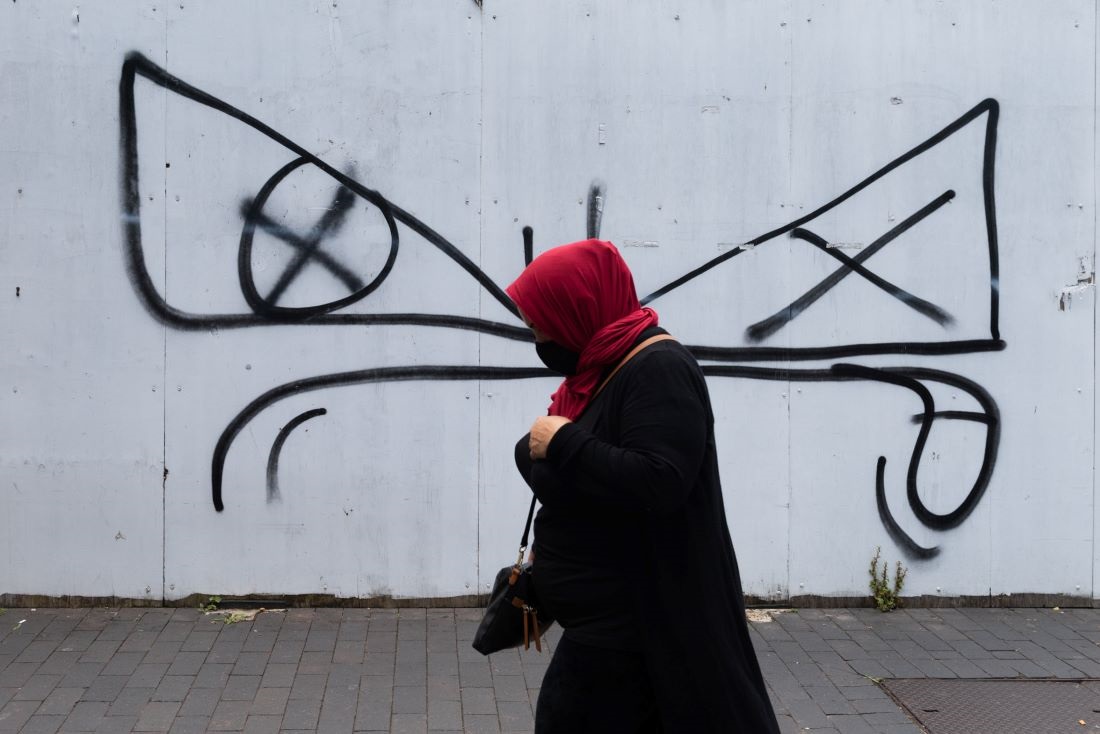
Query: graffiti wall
[252,260]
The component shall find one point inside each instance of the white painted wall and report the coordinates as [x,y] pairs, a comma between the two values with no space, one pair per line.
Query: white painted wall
[709,125]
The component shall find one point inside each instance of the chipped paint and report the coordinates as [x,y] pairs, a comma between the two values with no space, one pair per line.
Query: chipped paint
[1086,281]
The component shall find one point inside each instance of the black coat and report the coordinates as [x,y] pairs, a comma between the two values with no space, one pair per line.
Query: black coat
[642,461]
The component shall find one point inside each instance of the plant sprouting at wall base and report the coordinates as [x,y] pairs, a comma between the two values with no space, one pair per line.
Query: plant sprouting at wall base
[887,596]
[211,604]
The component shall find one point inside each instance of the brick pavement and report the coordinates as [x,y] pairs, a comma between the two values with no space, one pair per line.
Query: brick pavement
[413,670]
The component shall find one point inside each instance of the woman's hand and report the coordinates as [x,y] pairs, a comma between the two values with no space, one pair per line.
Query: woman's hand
[542,432]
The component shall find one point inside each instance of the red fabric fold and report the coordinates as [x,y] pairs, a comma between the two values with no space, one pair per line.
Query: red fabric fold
[582,296]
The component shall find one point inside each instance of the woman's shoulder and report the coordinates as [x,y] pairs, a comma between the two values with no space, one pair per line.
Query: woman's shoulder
[668,356]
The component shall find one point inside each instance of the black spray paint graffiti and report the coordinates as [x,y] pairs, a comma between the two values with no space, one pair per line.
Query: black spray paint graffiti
[913,379]
[277,447]
[265,310]
[263,314]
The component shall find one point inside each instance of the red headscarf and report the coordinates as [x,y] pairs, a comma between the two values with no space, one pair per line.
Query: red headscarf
[582,296]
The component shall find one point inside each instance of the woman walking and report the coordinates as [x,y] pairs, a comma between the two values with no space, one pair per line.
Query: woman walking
[632,552]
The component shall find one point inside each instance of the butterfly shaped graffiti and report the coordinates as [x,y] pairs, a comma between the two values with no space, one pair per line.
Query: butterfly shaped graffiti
[308,247]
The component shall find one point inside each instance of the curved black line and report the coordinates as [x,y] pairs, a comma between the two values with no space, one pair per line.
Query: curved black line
[909,378]
[992,442]
[528,245]
[277,447]
[137,64]
[356,377]
[763,329]
[989,105]
[267,306]
[899,536]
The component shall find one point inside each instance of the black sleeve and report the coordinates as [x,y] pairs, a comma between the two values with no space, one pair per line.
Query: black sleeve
[663,432]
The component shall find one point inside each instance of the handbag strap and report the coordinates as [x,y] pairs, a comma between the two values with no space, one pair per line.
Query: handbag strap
[629,356]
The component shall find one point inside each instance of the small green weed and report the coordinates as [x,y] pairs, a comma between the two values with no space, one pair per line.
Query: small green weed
[887,596]
[234,617]
[211,604]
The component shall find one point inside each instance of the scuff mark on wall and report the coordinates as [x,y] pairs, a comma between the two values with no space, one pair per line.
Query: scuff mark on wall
[1086,281]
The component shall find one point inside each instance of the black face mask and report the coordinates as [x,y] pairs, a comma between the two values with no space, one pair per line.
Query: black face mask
[558,358]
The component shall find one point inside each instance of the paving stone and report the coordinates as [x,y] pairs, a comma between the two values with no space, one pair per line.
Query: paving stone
[409,724]
[410,674]
[851,724]
[442,663]
[85,716]
[130,702]
[148,675]
[16,675]
[100,651]
[200,702]
[381,641]
[887,718]
[186,663]
[316,663]
[830,699]
[14,714]
[105,688]
[60,701]
[308,686]
[481,724]
[175,631]
[882,705]
[38,651]
[994,668]
[808,714]
[304,714]
[515,716]
[81,675]
[173,688]
[163,651]
[444,715]
[199,641]
[190,725]
[157,716]
[533,675]
[117,724]
[933,668]
[475,675]
[444,688]
[212,675]
[270,701]
[123,663]
[229,716]
[964,669]
[410,699]
[509,688]
[59,662]
[42,724]
[262,724]
[38,687]
[278,675]
[241,688]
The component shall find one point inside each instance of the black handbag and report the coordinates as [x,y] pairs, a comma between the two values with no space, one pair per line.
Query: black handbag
[513,616]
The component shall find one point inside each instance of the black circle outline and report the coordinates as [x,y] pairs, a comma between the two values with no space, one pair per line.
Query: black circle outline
[258,303]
